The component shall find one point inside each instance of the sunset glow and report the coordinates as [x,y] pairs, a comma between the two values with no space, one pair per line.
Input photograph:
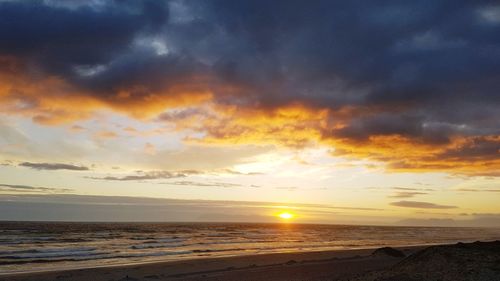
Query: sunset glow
[286,215]
[235,110]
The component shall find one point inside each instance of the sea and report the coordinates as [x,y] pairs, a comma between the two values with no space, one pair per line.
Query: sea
[41,246]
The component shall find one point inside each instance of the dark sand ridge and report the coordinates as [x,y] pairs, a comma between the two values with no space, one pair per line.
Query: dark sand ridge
[478,261]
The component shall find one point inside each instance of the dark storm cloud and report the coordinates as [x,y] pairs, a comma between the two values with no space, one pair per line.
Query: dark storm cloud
[420,126]
[400,51]
[57,38]
[477,148]
[53,166]
[320,51]
[424,70]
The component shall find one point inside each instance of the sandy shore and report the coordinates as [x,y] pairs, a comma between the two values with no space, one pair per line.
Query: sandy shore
[325,265]
[478,261]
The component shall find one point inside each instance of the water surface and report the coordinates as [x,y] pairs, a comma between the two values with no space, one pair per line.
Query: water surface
[34,246]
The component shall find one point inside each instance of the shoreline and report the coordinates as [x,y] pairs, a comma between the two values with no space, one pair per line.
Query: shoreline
[196,258]
[459,261]
[200,258]
[187,268]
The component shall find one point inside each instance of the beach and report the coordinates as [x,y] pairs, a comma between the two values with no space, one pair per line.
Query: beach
[478,261]
[211,251]
[230,251]
[43,246]
[322,265]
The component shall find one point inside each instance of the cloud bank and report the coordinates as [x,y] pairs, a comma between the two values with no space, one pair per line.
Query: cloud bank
[421,205]
[149,175]
[16,188]
[53,166]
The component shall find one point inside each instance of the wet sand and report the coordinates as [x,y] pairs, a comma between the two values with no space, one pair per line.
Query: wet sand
[325,265]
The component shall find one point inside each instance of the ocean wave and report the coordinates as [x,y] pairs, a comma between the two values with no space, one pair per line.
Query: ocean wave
[9,260]
[222,242]
[97,244]
[156,245]
[46,253]
[217,250]
[152,239]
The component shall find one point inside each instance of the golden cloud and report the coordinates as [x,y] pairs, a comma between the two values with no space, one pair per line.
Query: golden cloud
[195,104]
[51,100]
[296,126]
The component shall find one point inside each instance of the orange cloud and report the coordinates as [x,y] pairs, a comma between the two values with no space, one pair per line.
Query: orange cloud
[293,125]
[149,104]
[47,100]
[191,104]
[474,156]
[106,135]
[50,100]
[296,126]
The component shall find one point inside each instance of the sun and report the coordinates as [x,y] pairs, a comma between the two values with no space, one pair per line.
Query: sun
[286,215]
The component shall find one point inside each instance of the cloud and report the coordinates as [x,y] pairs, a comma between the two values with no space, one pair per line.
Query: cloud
[77,128]
[106,135]
[155,175]
[204,184]
[484,219]
[421,205]
[429,222]
[287,188]
[403,191]
[490,14]
[409,192]
[263,72]
[356,208]
[234,172]
[53,166]
[462,156]
[30,189]
[478,190]
[406,194]
[474,220]
[149,175]
[412,189]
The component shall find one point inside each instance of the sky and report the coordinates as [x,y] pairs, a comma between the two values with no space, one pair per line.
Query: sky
[342,112]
